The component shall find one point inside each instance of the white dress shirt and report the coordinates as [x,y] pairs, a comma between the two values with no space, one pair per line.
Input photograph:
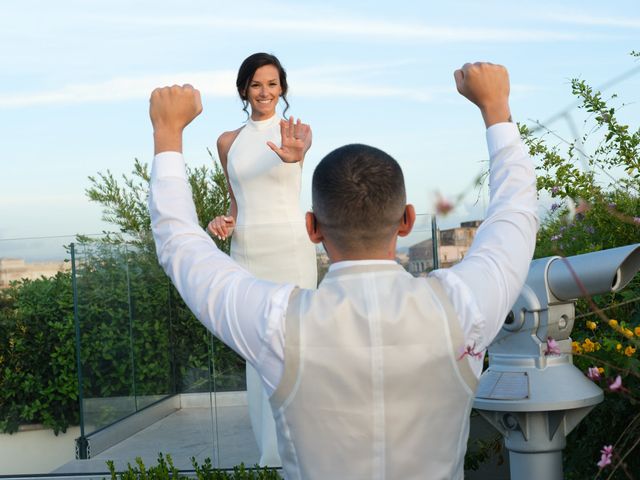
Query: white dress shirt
[248,314]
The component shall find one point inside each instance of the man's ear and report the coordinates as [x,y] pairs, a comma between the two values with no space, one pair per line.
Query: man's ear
[313,229]
[407,221]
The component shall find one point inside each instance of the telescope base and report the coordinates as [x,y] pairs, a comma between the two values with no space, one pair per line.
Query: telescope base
[536,466]
[535,440]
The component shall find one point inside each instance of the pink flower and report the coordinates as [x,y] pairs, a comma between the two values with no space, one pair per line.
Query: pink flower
[594,374]
[605,459]
[443,206]
[616,385]
[582,206]
[471,351]
[552,347]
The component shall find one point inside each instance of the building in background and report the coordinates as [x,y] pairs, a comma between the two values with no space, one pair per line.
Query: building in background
[453,245]
[12,269]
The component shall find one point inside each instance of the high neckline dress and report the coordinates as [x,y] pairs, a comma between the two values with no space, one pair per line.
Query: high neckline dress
[269,240]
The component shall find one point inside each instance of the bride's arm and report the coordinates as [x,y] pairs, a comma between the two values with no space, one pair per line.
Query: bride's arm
[222,226]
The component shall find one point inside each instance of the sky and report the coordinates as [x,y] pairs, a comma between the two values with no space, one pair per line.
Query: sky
[76,77]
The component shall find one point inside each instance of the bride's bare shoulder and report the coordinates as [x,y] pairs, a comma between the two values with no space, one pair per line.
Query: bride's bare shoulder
[226,139]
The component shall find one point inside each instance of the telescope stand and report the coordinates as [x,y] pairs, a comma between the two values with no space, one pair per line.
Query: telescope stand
[535,440]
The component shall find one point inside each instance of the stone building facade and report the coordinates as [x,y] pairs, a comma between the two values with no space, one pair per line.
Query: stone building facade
[453,244]
[12,269]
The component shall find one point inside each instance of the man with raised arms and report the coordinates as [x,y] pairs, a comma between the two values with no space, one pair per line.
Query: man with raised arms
[372,375]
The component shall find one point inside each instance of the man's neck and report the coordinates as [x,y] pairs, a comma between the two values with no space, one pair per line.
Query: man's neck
[335,254]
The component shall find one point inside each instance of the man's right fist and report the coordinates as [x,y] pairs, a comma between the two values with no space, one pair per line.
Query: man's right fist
[171,109]
[486,85]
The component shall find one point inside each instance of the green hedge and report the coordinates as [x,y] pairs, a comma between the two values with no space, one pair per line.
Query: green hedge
[38,383]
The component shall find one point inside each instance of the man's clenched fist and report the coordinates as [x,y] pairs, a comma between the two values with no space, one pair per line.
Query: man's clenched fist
[171,109]
[486,85]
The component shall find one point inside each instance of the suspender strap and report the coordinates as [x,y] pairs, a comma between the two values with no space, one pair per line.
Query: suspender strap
[457,337]
[291,352]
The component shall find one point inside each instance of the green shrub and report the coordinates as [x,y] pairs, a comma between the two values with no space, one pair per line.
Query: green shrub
[165,470]
[38,382]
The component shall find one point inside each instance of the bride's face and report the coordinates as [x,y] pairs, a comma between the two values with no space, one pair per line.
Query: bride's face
[264,92]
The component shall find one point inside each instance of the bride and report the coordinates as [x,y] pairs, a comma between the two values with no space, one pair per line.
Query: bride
[262,162]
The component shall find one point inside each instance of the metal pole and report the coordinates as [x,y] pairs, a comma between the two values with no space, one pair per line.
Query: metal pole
[536,466]
[131,340]
[81,442]
[435,243]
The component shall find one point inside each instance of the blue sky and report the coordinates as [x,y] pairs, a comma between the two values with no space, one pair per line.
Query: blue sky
[76,76]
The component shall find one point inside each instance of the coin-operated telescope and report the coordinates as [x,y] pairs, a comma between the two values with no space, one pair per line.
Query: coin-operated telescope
[536,399]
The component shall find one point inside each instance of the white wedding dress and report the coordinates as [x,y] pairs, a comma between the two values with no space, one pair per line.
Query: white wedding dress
[269,240]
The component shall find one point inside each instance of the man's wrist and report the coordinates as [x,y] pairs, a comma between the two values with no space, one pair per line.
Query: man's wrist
[167,141]
[496,114]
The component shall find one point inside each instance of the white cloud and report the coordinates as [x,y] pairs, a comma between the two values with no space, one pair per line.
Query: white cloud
[316,81]
[218,83]
[373,29]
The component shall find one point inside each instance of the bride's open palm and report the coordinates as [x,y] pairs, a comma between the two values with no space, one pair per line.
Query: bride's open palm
[296,140]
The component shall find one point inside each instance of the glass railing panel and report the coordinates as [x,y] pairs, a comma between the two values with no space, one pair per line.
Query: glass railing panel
[150,323]
[192,355]
[106,342]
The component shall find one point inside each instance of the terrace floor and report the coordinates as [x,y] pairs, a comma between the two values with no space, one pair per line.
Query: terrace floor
[184,434]
[189,433]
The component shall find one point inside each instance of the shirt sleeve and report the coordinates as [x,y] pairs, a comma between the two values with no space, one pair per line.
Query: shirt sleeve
[486,283]
[244,312]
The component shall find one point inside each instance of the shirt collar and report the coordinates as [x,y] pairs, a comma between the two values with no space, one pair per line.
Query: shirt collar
[351,263]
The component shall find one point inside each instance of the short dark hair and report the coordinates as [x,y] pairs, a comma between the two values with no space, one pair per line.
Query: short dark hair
[358,196]
[248,69]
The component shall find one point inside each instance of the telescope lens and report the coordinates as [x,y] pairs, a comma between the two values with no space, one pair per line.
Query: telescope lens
[510,318]
[615,283]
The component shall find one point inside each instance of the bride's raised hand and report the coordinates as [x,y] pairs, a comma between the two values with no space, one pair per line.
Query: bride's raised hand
[221,226]
[296,140]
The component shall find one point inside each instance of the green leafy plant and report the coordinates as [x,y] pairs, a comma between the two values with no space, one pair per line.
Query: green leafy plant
[165,470]
[482,451]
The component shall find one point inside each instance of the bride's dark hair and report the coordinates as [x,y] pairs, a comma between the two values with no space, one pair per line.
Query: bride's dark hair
[248,69]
